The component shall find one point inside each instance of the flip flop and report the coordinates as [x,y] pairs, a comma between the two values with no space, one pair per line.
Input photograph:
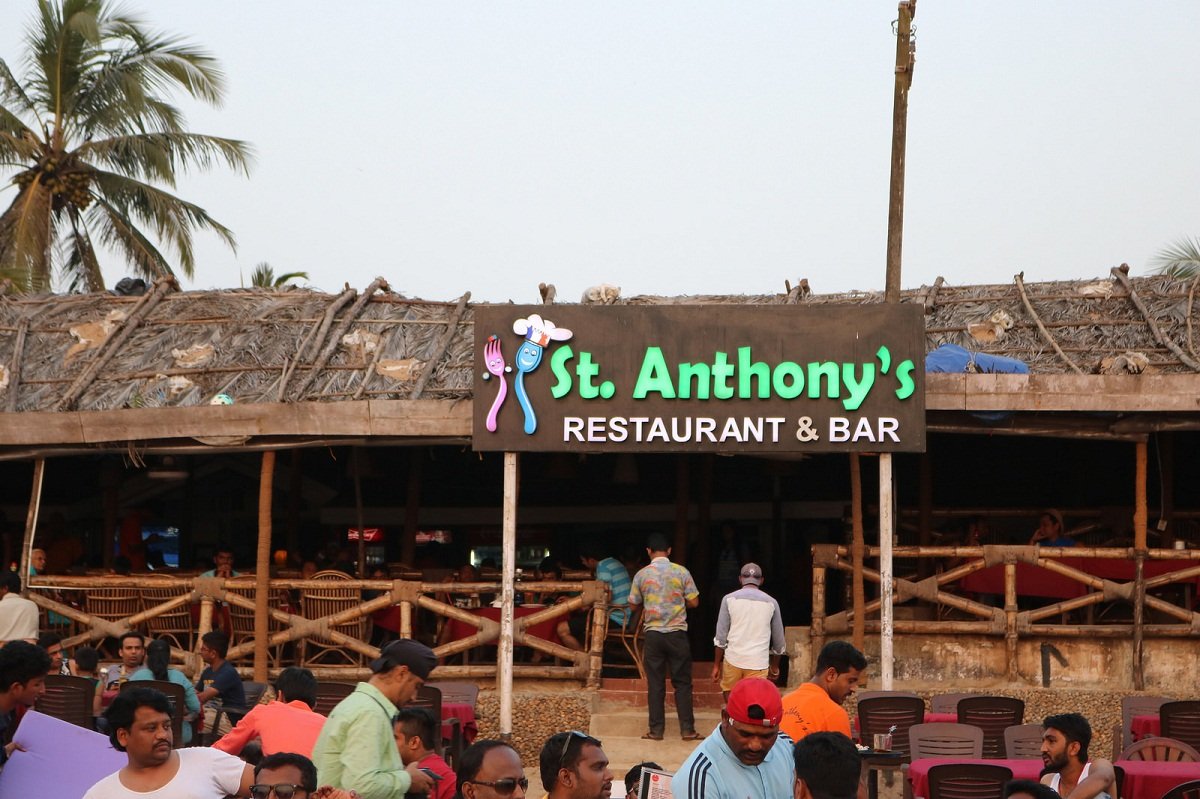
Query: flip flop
[692,736]
[651,737]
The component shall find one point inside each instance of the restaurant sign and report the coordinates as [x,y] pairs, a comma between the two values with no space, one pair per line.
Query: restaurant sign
[699,378]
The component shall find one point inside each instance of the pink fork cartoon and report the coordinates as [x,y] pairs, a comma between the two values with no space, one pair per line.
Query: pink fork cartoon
[494,360]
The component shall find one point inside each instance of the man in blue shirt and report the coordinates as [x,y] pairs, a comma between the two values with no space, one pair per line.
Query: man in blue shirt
[609,571]
[219,682]
[746,757]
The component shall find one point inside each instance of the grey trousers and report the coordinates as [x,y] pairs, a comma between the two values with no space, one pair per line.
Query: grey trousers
[663,654]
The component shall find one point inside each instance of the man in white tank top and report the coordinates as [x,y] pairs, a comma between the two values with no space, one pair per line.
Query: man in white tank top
[1069,772]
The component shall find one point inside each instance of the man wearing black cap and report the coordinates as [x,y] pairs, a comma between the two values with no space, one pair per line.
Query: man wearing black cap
[666,590]
[356,750]
[749,636]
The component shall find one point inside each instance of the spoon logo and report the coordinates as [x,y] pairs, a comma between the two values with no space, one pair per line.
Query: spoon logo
[537,334]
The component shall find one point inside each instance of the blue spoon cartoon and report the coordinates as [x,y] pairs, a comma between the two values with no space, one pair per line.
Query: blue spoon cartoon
[538,332]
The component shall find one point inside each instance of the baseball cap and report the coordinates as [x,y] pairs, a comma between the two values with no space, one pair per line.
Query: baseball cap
[755,701]
[751,574]
[405,652]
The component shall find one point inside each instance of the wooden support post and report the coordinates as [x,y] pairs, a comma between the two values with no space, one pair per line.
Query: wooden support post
[1165,442]
[504,657]
[1140,519]
[412,506]
[31,518]
[857,549]
[905,60]
[596,651]
[817,630]
[887,527]
[1010,617]
[406,610]
[262,574]
[682,503]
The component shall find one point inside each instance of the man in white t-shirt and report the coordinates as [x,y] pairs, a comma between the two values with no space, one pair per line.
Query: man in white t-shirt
[18,615]
[140,724]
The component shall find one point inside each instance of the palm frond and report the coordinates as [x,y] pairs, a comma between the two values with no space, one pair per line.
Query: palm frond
[115,230]
[159,156]
[27,236]
[1181,259]
[80,266]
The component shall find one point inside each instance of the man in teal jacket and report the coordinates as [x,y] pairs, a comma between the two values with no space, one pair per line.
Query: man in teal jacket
[356,750]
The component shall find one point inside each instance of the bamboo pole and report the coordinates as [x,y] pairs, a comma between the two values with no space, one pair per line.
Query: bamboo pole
[31,518]
[262,573]
[1010,618]
[504,655]
[818,617]
[887,528]
[905,59]
[857,547]
[406,619]
[1140,519]
[596,654]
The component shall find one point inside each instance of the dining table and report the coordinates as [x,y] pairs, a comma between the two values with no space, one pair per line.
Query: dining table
[1034,581]
[1144,779]
[465,713]
[918,771]
[1147,726]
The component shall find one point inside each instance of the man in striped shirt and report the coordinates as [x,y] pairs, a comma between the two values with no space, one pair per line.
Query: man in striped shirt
[746,757]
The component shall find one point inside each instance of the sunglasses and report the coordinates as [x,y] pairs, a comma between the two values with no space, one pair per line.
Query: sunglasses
[283,790]
[504,787]
[571,736]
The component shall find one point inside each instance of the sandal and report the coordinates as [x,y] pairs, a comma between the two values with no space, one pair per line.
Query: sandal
[692,736]
[651,737]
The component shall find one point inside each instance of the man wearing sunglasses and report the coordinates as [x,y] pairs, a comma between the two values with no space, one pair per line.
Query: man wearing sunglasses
[287,775]
[356,750]
[747,757]
[573,766]
[491,769]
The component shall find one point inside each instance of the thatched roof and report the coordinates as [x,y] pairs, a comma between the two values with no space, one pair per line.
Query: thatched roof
[170,348]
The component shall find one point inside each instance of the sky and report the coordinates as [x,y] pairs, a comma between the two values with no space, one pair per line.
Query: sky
[692,147]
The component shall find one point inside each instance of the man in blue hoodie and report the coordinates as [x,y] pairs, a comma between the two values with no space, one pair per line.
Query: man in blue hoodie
[746,757]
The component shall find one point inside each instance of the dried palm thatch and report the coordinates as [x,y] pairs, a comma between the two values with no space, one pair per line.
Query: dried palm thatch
[169,348]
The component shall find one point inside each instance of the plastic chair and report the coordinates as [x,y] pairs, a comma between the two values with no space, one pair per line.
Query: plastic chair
[1189,790]
[878,714]
[993,715]
[968,781]
[1161,750]
[947,703]
[1120,779]
[430,697]
[177,697]
[1181,721]
[1023,742]
[1134,706]
[943,739]
[861,695]
[329,694]
[69,699]
[321,602]
[463,693]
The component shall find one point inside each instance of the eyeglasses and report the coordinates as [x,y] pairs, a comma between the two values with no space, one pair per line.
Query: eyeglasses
[571,736]
[504,787]
[283,790]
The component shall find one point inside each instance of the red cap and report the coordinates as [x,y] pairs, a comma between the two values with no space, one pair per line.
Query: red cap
[755,701]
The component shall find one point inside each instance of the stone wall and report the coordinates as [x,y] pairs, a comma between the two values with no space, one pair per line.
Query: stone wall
[536,716]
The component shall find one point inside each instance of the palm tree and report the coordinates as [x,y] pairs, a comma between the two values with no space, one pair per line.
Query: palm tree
[1181,259]
[263,277]
[93,135]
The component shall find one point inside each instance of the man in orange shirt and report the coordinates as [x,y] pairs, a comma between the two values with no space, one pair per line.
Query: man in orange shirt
[816,706]
[286,725]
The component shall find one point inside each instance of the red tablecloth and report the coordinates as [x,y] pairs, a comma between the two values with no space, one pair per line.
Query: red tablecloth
[941,718]
[543,629]
[465,714]
[1039,582]
[1146,779]
[1146,726]
[918,771]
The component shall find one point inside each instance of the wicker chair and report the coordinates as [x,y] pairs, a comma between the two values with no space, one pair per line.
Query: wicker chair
[241,620]
[329,694]
[175,624]
[321,602]
[1023,742]
[1133,706]
[1189,790]
[113,604]
[941,739]
[967,781]
[993,715]
[878,714]
[69,699]
[1163,750]
[1181,721]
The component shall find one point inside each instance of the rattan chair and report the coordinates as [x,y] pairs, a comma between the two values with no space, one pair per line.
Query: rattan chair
[878,714]
[947,703]
[320,602]
[113,604]
[69,699]
[1189,790]
[176,695]
[1023,742]
[993,715]
[175,624]
[1181,721]
[967,781]
[329,694]
[943,739]
[629,637]
[241,621]
[1134,706]
[1162,750]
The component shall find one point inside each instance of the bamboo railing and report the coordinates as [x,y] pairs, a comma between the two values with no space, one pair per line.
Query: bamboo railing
[411,596]
[941,591]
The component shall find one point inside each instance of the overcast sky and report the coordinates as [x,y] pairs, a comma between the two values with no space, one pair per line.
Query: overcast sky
[687,147]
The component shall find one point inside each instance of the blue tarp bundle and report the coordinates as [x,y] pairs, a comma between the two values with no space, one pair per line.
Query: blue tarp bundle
[954,359]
